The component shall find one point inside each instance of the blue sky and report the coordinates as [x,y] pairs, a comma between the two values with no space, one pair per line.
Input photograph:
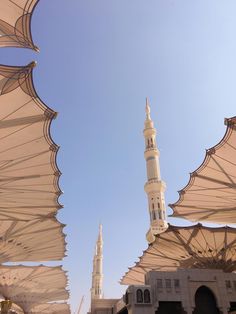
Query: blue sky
[98,61]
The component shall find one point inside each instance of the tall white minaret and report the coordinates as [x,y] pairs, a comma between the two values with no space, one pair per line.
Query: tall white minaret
[97,276]
[154,186]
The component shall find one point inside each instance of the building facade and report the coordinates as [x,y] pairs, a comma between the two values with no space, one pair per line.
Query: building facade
[185,291]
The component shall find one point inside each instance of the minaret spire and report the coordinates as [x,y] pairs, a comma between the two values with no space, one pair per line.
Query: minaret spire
[148,110]
[154,186]
[97,275]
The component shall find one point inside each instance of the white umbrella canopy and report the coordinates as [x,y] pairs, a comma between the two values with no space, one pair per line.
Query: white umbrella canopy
[29,174]
[44,308]
[15,23]
[36,279]
[50,308]
[30,300]
[28,286]
[37,240]
[186,247]
[210,194]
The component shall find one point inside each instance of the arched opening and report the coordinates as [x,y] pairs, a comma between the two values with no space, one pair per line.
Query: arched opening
[205,302]
[153,215]
[151,142]
[162,213]
[147,297]
[139,296]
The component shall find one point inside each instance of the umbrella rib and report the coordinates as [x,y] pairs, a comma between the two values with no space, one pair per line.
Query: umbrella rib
[223,170]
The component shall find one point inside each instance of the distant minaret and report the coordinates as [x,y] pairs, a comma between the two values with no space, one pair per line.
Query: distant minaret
[97,276]
[154,186]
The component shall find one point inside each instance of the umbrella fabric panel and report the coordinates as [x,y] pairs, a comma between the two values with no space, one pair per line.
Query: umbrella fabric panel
[186,247]
[50,308]
[29,175]
[210,194]
[15,23]
[36,240]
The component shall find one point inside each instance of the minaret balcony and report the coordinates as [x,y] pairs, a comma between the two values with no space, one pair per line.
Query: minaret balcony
[151,151]
[156,228]
[149,130]
[154,185]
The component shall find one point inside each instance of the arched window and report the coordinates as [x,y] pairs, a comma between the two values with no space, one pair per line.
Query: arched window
[153,206]
[158,205]
[151,142]
[139,296]
[154,215]
[147,298]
